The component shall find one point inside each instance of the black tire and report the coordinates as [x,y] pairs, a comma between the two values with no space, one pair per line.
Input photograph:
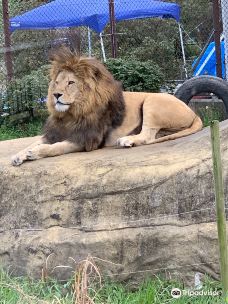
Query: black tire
[203,84]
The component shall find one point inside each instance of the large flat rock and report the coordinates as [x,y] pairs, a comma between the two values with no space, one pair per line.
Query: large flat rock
[148,210]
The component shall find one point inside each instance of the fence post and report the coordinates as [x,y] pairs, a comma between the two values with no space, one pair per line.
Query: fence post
[220,205]
[113,27]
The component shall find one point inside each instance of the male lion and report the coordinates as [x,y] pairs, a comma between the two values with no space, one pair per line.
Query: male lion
[88,110]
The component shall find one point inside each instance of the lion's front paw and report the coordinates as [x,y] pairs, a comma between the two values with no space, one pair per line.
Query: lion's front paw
[125,142]
[17,160]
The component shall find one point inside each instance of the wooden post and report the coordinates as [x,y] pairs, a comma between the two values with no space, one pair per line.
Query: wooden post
[220,205]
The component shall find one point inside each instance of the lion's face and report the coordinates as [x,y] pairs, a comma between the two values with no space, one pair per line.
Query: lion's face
[65,91]
[81,89]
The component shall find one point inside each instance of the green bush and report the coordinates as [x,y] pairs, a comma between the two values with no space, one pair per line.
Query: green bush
[25,93]
[135,75]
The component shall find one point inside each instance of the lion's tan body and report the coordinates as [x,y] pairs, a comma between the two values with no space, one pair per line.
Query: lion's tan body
[160,111]
[88,109]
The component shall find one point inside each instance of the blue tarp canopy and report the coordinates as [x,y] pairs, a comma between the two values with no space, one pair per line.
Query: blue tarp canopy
[207,63]
[91,13]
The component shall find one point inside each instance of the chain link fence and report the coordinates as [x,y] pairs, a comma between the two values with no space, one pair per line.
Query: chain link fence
[154,41]
[224,8]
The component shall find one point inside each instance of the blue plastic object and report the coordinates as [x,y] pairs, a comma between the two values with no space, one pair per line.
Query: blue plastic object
[207,63]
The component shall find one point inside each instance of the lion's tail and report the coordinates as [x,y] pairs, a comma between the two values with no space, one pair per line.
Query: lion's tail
[196,126]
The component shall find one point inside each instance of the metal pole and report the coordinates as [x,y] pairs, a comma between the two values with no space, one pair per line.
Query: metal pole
[183,51]
[217,33]
[220,205]
[7,38]
[113,27]
[89,42]
[102,47]
[225,31]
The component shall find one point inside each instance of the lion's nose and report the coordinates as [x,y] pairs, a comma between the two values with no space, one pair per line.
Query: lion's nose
[57,95]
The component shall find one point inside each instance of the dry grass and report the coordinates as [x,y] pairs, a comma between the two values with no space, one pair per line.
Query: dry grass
[87,275]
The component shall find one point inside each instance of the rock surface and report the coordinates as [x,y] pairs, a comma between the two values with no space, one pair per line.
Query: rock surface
[147,210]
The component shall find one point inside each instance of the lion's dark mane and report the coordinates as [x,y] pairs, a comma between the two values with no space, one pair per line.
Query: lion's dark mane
[106,111]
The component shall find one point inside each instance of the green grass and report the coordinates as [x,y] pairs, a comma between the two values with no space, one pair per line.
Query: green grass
[156,291]
[11,131]
[208,114]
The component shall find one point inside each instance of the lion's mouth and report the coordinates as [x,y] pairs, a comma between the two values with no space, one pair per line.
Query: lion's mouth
[61,107]
[64,104]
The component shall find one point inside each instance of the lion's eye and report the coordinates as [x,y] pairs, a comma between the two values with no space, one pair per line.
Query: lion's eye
[70,82]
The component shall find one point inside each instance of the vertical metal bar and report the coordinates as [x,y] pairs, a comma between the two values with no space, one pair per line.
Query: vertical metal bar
[113,27]
[102,47]
[217,33]
[220,205]
[183,51]
[7,38]
[89,42]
